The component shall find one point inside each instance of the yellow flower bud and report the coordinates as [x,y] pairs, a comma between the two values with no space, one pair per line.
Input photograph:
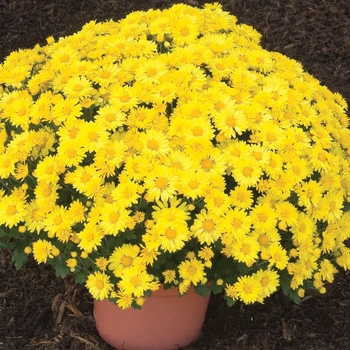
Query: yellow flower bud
[22,229]
[140,301]
[50,40]
[208,264]
[318,284]
[190,255]
[55,251]
[84,255]
[72,262]
[220,282]
[301,292]
[28,250]
[322,290]
[191,207]
[73,254]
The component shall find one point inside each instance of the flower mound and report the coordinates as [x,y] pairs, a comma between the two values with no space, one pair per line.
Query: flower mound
[173,150]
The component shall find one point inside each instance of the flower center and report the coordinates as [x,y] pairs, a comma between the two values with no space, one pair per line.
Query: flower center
[153,144]
[161,183]
[78,88]
[241,197]
[49,169]
[193,184]
[248,289]
[195,113]
[236,152]
[185,31]
[126,261]
[218,202]
[262,217]
[207,164]
[64,58]
[105,75]
[22,111]
[191,270]
[7,163]
[73,133]
[230,122]
[151,72]
[67,110]
[170,233]
[265,281]
[236,223]
[93,136]
[47,192]
[85,178]
[99,284]
[245,249]
[57,220]
[38,215]
[125,98]
[208,225]
[109,199]
[310,193]
[135,281]
[113,217]
[257,155]
[219,106]
[11,210]
[271,137]
[197,131]
[263,240]
[332,206]
[71,153]
[110,117]
[308,265]
[273,163]
[247,171]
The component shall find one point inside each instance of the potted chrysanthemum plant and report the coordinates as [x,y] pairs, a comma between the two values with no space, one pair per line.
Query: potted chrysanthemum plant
[165,152]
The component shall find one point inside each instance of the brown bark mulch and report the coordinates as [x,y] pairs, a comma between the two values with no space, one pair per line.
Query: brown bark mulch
[40,311]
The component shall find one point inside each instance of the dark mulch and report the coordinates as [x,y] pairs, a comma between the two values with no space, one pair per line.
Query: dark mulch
[40,311]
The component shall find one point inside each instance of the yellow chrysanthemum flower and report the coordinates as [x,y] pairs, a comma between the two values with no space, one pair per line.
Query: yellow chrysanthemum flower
[135,281]
[269,281]
[13,210]
[42,250]
[206,227]
[123,258]
[99,285]
[248,289]
[192,271]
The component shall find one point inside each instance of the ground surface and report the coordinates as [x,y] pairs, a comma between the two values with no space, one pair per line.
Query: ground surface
[39,311]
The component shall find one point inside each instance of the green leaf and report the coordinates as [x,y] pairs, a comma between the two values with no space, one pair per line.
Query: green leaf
[242,268]
[203,290]
[19,257]
[81,276]
[346,206]
[61,268]
[285,285]
[230,302]
[217,289]
[293,295]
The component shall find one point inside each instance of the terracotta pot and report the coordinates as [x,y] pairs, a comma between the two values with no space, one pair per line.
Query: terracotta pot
[166,321]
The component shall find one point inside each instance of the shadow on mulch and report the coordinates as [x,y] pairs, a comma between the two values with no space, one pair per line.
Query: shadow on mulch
[40,311]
